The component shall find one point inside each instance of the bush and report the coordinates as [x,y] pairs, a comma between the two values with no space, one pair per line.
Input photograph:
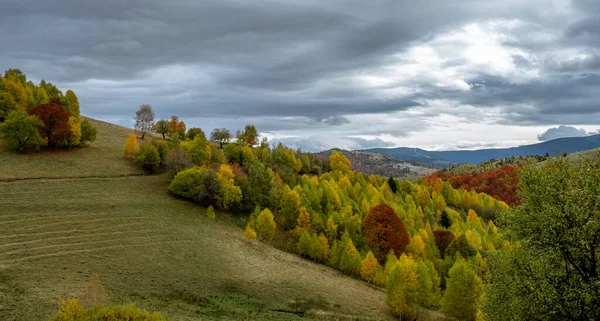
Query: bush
[148,157]
[73,310]
[130,147]
[20,131]
[197,183]
[163,149]
[177,161]
[88,132]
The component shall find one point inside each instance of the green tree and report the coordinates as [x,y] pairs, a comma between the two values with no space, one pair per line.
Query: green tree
[73,103]
[148,157]
[392,183]
[460,245]
[463,291]
[7,104]
[20,131]
[350,261]
[445,220]
[162,127]
[220,136]
[303,245]
[554,274]
[88,132]
[195,131]
[265,225]
[144,119]
[429,285]
[402,288]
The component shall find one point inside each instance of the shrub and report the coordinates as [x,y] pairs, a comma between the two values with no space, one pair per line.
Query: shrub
[177,161]
[88,132]
[73,310]
[130,147]
[148,158]
[20,131]
[210,213]
[384,232]
[197,183]
[163,149]
[250,233]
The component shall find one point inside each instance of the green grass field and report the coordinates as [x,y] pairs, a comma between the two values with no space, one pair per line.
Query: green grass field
[67,214]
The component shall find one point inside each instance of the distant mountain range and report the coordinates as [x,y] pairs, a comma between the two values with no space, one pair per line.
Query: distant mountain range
[450,158]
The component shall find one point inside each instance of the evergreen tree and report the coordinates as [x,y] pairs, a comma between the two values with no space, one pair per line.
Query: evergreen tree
[445,220]
[392,184]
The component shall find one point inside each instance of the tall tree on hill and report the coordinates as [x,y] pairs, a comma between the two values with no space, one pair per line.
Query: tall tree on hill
[144,119]
[74,103]
[161,127]
[220,136]
[177,126]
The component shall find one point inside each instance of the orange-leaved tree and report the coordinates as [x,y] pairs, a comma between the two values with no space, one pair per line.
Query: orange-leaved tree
[384,232]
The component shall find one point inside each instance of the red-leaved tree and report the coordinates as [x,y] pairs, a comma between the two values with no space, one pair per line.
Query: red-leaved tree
[55,119]
[385,232]
[443,238]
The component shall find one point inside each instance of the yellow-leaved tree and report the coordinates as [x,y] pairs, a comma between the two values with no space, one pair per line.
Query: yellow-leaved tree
[463,291]
[402,288]
[339,162]
[265,225]
[229,194]
[368,269]
[130,146]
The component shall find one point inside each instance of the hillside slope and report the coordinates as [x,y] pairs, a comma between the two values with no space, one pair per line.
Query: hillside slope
[449,158]
[101,158]
[149,248]
[384,165]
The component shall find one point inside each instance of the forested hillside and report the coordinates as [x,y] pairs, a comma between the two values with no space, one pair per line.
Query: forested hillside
[384,165]
[407,237]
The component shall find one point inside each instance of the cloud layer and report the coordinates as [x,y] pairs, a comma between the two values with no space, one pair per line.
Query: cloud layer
[315,74]
[562,131]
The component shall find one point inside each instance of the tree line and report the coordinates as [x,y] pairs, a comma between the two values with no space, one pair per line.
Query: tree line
[35,116]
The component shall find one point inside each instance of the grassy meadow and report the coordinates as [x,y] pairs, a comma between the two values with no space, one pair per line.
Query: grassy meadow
[67,214]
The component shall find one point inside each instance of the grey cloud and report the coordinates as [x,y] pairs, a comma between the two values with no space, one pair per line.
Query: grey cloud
[290,65]
[561,132]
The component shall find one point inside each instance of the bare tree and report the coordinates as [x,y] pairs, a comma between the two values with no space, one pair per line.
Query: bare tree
[144,119]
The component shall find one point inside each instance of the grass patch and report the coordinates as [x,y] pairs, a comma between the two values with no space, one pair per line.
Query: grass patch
[156,251]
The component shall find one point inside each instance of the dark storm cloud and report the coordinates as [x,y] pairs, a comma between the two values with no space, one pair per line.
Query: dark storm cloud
[300,64]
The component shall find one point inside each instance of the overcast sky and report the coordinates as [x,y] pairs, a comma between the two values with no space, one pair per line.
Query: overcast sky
[324,73]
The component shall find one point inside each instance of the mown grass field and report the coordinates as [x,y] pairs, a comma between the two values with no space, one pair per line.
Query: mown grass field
[65,215]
